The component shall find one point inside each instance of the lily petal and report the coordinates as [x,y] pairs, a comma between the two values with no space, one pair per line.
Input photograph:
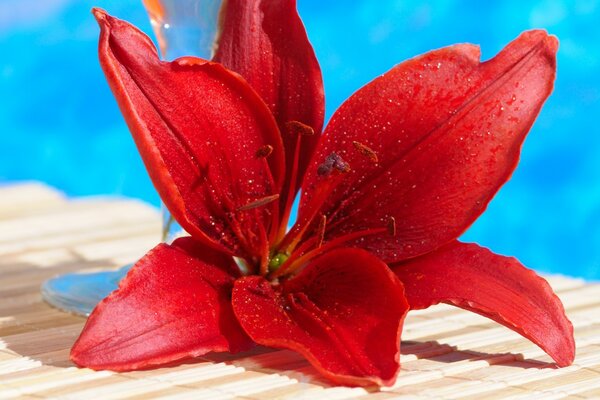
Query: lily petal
[500,288]
[173,304]
[429,143]
[265,42]
[199,128]
[344,312]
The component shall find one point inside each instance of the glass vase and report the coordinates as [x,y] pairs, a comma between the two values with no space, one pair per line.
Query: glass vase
[182,28]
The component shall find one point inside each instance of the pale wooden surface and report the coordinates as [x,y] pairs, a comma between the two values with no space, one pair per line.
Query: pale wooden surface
[447,353]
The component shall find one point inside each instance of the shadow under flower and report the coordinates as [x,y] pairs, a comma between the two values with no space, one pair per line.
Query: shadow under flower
[439,357]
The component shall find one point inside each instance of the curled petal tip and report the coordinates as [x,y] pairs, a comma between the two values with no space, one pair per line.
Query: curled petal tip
[535,34]
[99,14]
[552,43]
[540,35]
[470,51]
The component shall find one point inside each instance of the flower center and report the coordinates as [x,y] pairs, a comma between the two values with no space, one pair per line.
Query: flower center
[293,249]
[316,246]
[277,261]
[290,251]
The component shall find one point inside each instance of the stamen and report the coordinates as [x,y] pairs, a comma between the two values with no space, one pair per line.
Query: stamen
[265,151]
[222,208]
[302,256]
[219,202]
[264,259]
[321,230]
[296,261]
[299,128]
[391,226]
[259,203]
[333,161]
[295,235]
[366,151]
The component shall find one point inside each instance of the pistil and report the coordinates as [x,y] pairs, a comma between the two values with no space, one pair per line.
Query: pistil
[277,261]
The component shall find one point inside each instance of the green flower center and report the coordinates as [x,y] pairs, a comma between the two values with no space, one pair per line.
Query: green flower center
[277,260]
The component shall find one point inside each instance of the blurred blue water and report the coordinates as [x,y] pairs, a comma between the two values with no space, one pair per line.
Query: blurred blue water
[59,122]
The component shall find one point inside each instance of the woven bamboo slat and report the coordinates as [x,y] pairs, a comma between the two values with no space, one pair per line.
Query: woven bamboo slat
[447,353]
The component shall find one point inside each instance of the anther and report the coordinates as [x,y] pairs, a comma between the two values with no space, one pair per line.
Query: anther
[391,226]
[259,203]
[321,230]
[333,161]
[299,128]
[366,151]
[265,151]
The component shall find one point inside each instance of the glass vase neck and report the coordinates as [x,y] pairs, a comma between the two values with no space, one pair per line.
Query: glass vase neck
[185,27]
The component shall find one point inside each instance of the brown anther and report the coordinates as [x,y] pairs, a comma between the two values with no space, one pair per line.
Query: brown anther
[299,128]
[324,169]
[321,230]
[333,161]
[391,226]
[259,203]
[265,151]
[366,151]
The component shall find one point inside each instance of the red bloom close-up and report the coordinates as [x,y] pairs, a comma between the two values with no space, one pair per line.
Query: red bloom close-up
[402,169]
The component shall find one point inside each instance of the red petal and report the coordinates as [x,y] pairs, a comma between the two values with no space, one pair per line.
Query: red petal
[343,312]
[500,288]
[430,142]
[198,128]
[173,304]
[266,43]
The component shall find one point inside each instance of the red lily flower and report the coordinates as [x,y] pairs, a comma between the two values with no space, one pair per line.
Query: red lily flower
[404,167]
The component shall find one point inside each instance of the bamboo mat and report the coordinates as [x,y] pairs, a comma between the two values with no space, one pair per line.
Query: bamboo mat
[446,352]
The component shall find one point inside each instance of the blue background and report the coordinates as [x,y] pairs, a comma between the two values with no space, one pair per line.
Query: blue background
[60,124]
